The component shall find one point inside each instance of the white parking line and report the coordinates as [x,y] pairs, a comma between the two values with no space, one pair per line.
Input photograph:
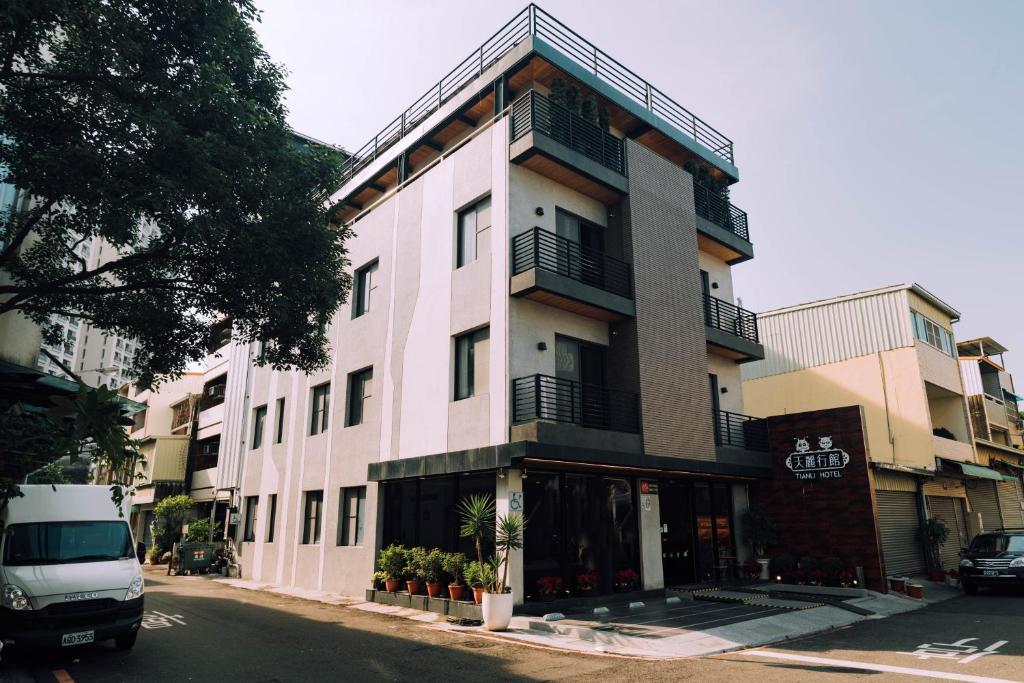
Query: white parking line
[848,664]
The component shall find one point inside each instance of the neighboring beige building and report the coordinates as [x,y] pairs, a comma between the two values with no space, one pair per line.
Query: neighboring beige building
[998,432]
[892,351]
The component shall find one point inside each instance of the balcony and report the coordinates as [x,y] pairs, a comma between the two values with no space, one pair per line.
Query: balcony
[722,227]
[731,330]
[740,431]
[559,272]
[567,148]
[542,397]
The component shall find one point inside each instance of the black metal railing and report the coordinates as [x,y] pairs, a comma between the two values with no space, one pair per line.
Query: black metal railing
[542,397]
[719,211]
[533,111]
[727,317]
[538,248]
[535,22]
[740,431]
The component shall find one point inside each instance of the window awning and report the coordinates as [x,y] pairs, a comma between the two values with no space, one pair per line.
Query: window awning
[979,472]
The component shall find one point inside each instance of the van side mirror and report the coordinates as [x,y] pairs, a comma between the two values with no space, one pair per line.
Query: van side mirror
[140,551]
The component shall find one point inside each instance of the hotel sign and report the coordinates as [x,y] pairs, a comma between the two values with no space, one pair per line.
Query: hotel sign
[826,462]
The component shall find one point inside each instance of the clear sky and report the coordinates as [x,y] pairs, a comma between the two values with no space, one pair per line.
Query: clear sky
[878,142]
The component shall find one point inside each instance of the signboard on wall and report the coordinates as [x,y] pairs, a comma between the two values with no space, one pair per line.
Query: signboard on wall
[648,486]
[825,462]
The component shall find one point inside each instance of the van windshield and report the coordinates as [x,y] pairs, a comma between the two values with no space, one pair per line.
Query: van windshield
[66,542]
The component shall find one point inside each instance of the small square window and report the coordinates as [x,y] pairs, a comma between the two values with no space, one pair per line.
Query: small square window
[360,388]
[259,417]
[472,232]
[471,363]
[320,413]
[311,518]
[271,516]
[279,421]
[251,505]
[351,515]
[366,283]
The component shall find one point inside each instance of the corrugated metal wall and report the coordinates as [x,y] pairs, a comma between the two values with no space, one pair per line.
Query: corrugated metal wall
[886,480]
[1011,503]
[898,525]
[971,373]
[831,332]
[951,512]
[982,495]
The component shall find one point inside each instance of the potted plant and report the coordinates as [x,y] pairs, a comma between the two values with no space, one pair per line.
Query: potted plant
[847,579]
[498,600]
[953,578]
[818,577]
[477,576]
[832,566]
[415,570]
[379,580]
[433,571]
[626,580]
[455,565]
[586,583]
[759,530]
[752,568]
[549,587]
[392,561]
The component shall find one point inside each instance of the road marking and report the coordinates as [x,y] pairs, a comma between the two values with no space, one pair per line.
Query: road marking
[849,664]
[954,650]
[63,676]
[160,620]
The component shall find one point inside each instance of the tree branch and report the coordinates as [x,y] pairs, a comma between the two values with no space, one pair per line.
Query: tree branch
[31,218]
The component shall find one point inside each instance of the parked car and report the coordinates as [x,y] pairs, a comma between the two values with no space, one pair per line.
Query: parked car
[994,559]
[68,569]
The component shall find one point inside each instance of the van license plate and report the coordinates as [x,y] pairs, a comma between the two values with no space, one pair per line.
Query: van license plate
[77,638]
[991,572]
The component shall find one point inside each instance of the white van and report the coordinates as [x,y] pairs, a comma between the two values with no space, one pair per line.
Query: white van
[68,570]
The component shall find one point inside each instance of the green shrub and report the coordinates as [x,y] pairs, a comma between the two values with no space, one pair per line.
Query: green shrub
[392,561]
[455,565]
[199,531]
[415,564]
[477,575]
[433,566]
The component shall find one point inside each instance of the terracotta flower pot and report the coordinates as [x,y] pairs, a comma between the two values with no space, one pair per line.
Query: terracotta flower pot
[455,591]
[391,585]
[414,587]
[897,585]
[915,590]
[478,594]
[433,589]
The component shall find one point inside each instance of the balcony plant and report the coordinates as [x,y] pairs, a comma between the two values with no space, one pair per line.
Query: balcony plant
[586,583]
[455,565]
[626,580]
[415,571]
[433,571]
[392,561]
[549,587]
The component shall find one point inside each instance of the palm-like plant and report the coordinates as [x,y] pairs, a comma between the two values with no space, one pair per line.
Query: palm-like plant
[477,515]
[508,536]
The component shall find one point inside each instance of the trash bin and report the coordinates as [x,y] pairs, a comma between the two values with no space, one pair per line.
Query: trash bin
[195,557]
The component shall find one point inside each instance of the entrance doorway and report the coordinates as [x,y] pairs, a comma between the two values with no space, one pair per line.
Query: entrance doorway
[696,532]
[578,524]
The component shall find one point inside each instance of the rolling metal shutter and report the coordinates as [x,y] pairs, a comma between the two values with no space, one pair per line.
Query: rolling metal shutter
[1011,498]
[898,524]
[951,512]
[982,495]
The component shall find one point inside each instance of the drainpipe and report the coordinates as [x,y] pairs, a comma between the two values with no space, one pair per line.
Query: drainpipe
[922,519]
[885,398]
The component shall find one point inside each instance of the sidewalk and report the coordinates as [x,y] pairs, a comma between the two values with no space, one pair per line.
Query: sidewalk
[648,629]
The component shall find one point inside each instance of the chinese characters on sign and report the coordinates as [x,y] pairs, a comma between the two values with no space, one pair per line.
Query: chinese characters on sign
[827,462]
[954,651]
[152,620]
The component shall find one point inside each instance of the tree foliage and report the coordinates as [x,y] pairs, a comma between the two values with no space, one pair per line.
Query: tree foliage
[169,514]
[158,125]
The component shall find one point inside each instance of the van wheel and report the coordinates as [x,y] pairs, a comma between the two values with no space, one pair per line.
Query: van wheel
[127,641]
[970,588]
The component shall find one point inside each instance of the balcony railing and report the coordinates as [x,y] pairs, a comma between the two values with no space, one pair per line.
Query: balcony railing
[719,211]
[542,397]
[533,111]
[533,21]
[724,316]
[538,248]
[740,431]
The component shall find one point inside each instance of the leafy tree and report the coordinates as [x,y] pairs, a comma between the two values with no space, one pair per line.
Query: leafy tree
[200,531]
[169,514]
[158,125]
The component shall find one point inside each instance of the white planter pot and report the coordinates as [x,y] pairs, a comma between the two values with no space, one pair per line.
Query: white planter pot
[497,609]
[765,575]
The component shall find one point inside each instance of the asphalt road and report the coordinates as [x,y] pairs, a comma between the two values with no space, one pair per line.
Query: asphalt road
[207,631]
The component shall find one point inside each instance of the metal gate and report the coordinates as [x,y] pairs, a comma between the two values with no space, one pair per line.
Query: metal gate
[898,524]
[951,512]
[1011,503]
[982,494]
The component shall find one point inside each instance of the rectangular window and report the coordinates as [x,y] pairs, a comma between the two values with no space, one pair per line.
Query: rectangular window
[360,388]
[279,421]
[351,515]
[259,417]
[366,282]
[271,516]
[471,363]
[311,517]
[251,504]
[932,333]
[319,414]
[472,232]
